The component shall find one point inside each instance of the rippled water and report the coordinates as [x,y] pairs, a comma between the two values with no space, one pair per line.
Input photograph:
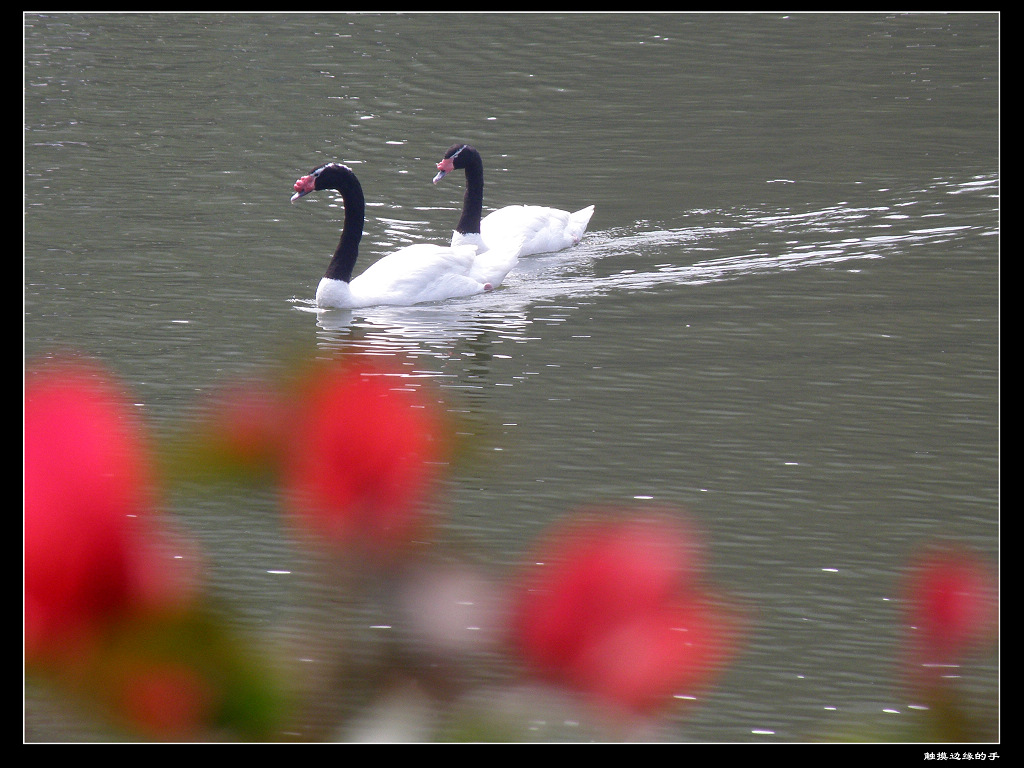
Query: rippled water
[784,316]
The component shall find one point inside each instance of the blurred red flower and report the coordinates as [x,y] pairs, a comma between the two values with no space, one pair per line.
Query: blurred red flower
[616,610]
[92,552]
[950,606]
[365,448]
[168,701]
[244,429]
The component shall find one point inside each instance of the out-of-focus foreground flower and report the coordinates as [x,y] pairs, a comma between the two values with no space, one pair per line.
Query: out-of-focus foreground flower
[94,551]
[615,608]
[950,604]
[114,611]
[364,450]
[240,435]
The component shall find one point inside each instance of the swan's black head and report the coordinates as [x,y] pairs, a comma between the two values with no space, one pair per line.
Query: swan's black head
[330,176]
[456,157]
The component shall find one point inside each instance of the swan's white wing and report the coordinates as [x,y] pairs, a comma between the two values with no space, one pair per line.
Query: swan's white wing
[419,273]
[541,229]
[491,266]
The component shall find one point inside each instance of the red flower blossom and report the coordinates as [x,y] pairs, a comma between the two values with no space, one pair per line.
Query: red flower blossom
[616,611]
[244,429]
[167,701]
[91,551]
[950,606]
[364,451]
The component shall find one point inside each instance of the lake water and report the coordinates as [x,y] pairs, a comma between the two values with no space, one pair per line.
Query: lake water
[784,317]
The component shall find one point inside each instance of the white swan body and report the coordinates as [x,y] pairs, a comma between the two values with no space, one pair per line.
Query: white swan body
[412,275]
[539,229]
[417,274]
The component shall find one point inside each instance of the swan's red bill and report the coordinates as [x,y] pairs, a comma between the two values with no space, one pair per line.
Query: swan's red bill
[445,167]
[304,186]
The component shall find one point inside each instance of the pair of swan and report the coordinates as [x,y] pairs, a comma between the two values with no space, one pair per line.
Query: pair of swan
[481,253]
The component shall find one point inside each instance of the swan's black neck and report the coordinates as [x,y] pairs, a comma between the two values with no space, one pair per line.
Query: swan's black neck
[473,202]
[344,259]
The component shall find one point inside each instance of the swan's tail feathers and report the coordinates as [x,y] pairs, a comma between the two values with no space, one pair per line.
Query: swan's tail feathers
[505,258]
[578,222]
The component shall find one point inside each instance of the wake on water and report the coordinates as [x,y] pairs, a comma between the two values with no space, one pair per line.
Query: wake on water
[711,246]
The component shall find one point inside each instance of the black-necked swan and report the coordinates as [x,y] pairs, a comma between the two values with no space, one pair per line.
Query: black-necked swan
[541,229]
[411,275]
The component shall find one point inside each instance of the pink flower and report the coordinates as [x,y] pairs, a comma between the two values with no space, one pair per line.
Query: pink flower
[950,606]
[364,451]
[615,610]
[92,553]
[244,429]
[166,701]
